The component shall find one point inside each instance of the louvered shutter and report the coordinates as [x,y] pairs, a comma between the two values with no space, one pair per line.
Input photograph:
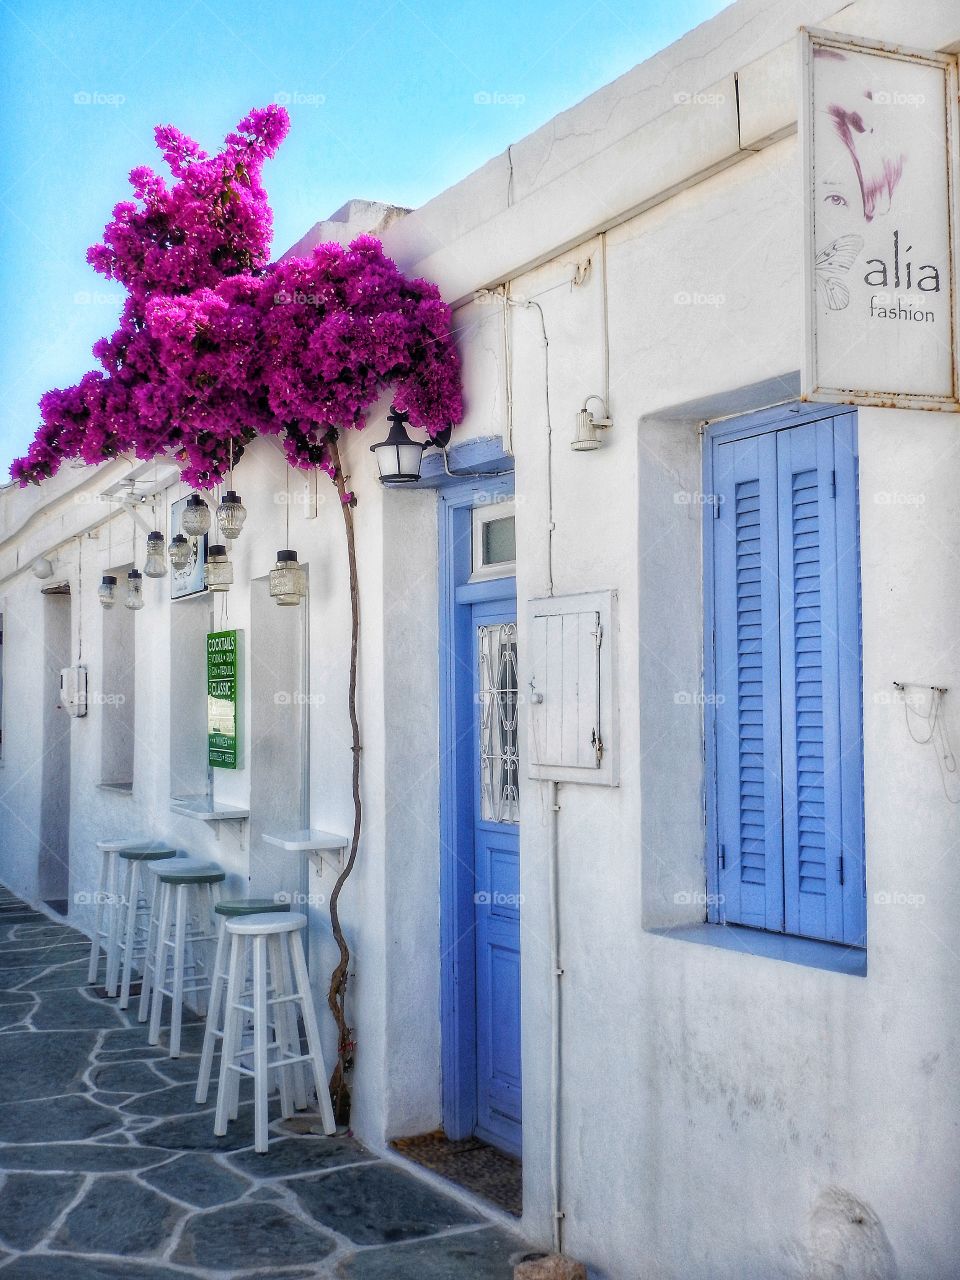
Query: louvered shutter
[747,720]
[788,719]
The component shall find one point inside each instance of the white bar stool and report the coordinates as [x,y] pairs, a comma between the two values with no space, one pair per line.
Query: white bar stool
[137,906]
[153,929]
[108,905]
[270,935]
[286,1028]
[188,888]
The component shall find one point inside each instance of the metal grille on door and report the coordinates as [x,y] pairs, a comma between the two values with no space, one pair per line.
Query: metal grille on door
[499,707]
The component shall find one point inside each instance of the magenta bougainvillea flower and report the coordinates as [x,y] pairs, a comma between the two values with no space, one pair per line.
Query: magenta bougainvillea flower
[216,345]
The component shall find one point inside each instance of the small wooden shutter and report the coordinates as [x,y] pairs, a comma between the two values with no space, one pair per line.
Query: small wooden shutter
[748,685]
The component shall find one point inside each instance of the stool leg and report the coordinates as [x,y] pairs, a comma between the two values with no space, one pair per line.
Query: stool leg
[214,1021]
[150,952]
[281,1026]
[98,924]
[129,934]
[160,962]
[260,1071]
[179,935]
[113,923]
[231,1036]
[313,1033]
[298,1068]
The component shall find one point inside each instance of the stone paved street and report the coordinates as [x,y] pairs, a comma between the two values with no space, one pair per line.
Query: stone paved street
[110,1169]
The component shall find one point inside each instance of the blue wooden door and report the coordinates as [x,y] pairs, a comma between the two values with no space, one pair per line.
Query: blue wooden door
[787,720]
[496,857]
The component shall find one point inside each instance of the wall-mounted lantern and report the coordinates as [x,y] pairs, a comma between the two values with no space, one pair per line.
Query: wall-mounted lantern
[585,438]
[399,457]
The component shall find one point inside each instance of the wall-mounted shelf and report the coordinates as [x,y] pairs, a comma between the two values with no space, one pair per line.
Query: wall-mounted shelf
[327,845]
[206,809]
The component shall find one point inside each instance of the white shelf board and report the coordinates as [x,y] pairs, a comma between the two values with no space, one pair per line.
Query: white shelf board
[329,846]
[206,809]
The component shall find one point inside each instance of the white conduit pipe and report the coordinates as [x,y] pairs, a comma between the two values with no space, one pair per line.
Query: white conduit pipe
[556,1168]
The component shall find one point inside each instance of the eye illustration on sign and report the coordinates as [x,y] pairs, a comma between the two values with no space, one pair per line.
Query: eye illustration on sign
[878,134]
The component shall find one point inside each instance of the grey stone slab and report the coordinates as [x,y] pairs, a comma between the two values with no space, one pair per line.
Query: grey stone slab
[82,1157]
[57,954]
[249,1235]
[66,1267]
[175,1100]
[30,1203]
[10,978]
[378,1204]
[118,1216]
[42,1064]
[63,1119]
[126,1077]
[52,977]
[199,1180]
[479,1255]
[68,1009]
[15,998]
[185,1069]
[195,1132]
[289,1156]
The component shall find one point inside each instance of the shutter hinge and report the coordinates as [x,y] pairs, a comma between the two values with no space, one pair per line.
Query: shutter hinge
[840,869]
[833,484]
[716,507]
[597,743]
[723,858]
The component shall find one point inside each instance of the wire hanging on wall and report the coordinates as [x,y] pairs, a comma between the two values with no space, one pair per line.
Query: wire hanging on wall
[934,728]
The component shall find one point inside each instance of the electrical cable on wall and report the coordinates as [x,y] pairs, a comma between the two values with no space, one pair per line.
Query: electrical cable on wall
[935,729]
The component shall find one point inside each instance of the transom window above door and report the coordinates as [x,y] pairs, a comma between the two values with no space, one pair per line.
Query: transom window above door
[494,541]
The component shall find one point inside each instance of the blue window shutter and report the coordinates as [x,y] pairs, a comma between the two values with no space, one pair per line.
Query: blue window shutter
[747,720]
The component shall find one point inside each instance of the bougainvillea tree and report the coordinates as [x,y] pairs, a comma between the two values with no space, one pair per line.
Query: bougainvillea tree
[217,345]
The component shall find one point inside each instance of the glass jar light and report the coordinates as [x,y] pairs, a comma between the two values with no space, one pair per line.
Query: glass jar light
[179,551]
[107,591]
[155,565]
[287,580]
[218,571]
[196,516]
[134,598]
[231,514]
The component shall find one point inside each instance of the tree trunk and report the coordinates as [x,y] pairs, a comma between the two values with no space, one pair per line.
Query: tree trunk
[336,996]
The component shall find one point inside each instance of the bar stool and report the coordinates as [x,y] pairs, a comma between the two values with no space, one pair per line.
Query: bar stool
[288,1029]
[134,932]
[189,888]
[108,896]
[269,935]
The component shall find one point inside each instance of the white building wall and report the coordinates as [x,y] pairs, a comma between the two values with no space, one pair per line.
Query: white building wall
[722,1114]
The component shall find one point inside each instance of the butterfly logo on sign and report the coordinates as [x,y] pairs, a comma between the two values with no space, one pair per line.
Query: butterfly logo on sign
[830,267]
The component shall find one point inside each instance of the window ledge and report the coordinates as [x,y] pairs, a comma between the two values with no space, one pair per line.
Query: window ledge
[832,956]
[124,788]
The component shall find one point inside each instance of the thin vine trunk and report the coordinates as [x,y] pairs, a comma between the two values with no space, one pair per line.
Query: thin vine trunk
[336,996]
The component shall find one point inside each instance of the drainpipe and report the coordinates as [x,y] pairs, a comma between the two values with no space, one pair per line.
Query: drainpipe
[556,1183]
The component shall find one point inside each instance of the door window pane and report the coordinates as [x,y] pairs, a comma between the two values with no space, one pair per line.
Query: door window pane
[498,695]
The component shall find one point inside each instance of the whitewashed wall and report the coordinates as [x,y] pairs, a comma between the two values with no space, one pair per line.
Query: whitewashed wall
[722,1114]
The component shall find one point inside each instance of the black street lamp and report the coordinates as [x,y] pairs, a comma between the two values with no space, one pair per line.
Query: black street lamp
[399,457]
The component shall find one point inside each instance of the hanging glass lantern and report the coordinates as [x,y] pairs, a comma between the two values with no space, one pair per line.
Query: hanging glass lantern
[196,516]
[218,571]
[134,598]
[155,565]
[179,551]
[231,514]
[107,591]
[287,581]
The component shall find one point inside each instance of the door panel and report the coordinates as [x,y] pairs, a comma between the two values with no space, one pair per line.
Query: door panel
[496,860]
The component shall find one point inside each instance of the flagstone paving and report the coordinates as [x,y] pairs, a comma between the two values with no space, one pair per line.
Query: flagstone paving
[110,1171]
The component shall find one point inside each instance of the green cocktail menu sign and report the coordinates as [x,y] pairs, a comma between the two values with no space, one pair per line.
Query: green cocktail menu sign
[223,697]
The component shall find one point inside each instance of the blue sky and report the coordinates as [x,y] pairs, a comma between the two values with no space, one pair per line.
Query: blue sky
[381,95]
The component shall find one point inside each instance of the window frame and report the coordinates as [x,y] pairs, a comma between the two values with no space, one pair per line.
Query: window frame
[481,571]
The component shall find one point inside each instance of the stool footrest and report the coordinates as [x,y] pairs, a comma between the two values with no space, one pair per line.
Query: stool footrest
[271,1063]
